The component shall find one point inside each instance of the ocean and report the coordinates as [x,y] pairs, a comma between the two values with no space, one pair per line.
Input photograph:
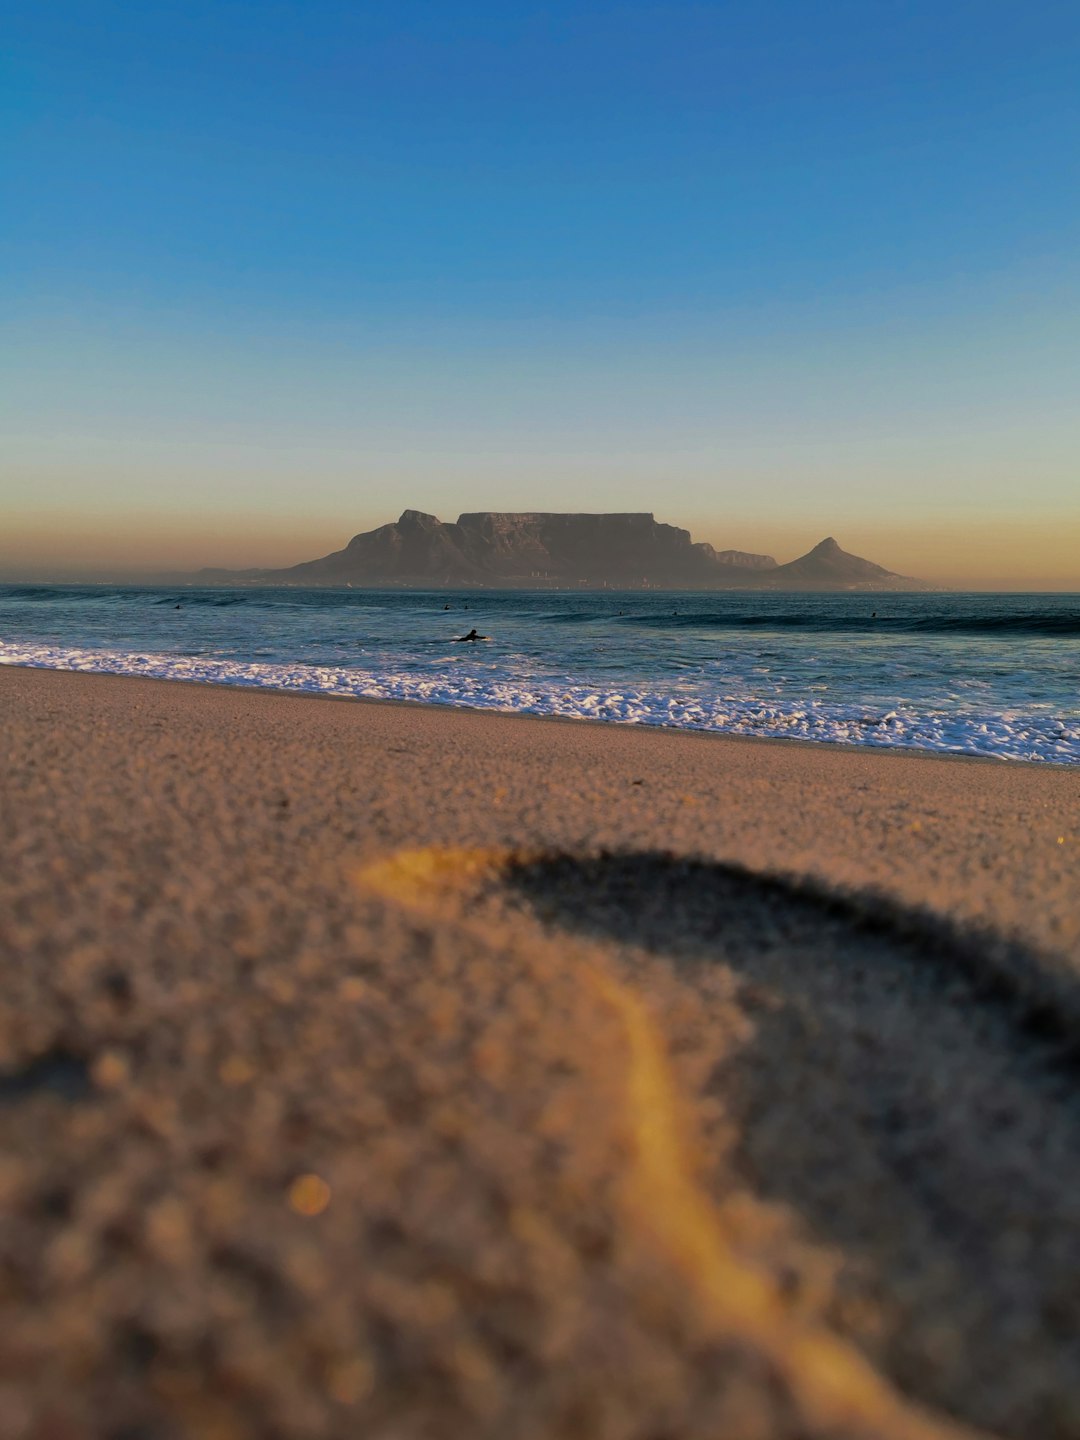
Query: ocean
[974,674]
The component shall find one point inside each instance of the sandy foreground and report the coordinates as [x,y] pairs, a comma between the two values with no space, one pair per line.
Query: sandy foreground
[379,1071]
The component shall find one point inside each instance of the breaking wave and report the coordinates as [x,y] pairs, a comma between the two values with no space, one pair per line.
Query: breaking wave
[972,730]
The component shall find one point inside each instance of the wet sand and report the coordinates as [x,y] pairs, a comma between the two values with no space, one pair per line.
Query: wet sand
[374,1070]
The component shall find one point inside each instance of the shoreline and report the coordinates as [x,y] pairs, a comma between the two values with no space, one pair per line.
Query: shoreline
[917,813]
[589,720]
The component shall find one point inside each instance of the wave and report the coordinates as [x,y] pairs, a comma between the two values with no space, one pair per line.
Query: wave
[888,616]
[108,593]
[1064,624]
[196,598]
[31,592]
[1006,735]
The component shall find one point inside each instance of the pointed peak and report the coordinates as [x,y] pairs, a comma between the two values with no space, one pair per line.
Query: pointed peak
[828,546]
[417,517]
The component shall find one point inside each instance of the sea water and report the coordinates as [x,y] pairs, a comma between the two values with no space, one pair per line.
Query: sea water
[976,674]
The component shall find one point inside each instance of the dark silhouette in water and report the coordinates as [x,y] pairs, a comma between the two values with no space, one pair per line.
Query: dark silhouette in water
[472,635]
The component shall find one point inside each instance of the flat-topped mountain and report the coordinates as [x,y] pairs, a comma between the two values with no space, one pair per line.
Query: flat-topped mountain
[536,549]
[489,548]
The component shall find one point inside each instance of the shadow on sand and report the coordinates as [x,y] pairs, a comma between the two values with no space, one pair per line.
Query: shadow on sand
[909,1091]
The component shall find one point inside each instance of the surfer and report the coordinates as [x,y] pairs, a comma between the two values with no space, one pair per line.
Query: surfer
[472,635]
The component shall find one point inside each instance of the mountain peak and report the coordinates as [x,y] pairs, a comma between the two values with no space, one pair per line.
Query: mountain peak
[540,549]
[828,567]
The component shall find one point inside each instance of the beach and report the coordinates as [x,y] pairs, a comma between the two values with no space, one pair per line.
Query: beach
[385,1070]
[987,675]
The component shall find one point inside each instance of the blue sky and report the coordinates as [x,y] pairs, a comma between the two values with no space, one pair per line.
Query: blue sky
[274,271]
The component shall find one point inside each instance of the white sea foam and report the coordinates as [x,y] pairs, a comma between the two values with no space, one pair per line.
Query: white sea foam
[1008,735]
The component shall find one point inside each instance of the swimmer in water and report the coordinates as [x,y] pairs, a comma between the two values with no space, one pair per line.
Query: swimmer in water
[472,635]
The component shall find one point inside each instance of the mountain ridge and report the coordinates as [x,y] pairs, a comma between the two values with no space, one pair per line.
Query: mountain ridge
[553,549]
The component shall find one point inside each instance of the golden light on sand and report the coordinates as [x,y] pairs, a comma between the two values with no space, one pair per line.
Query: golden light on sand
[110,1070]
[830,1380]
[424,876]
[660,1197]
[236,1071]
[309,1195]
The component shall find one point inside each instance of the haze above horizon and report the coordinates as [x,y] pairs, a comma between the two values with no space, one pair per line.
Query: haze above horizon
[276,272]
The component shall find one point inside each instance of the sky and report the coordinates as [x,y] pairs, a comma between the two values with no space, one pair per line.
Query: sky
[272,271]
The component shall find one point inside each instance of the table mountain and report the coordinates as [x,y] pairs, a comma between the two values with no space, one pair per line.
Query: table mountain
[536,549]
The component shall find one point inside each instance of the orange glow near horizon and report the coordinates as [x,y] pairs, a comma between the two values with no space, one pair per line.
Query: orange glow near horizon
[1002,553]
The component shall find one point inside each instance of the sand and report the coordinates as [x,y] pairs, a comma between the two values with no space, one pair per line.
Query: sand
[380,1071]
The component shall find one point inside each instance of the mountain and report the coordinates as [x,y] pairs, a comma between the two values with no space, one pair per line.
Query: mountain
[535,549]
[827,567]
[530,549]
